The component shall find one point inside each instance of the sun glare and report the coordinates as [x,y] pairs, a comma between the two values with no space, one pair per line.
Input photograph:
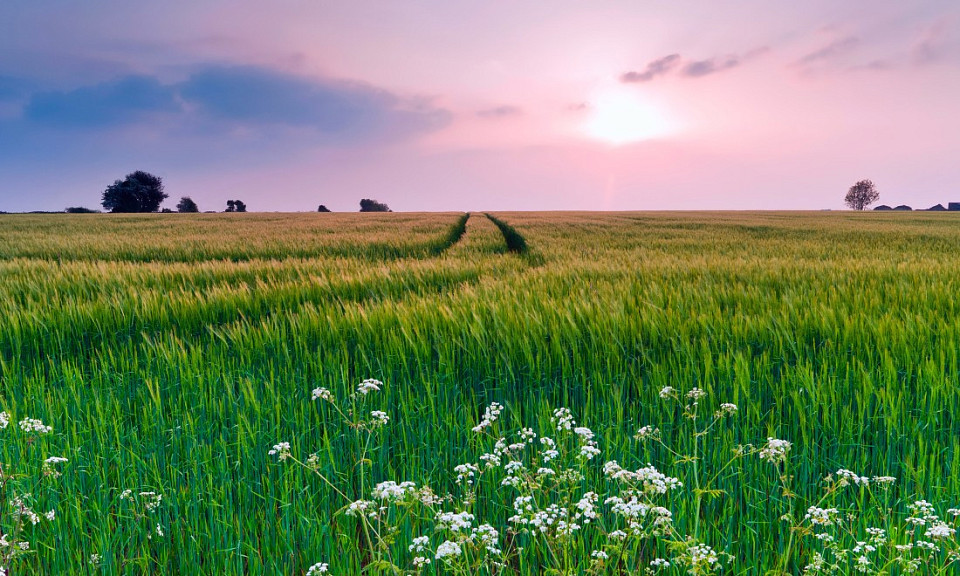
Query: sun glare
[620,117]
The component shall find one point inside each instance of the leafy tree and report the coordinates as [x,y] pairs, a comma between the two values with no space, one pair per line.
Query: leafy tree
[139,192]
[323,208]
[368,205]
[81,210]
[861,195]
[235,206]
[187,204]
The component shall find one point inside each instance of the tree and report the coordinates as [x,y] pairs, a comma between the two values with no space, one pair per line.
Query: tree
[861,195]
[235,206]
[139,192]
[81,210]
[368,205]
[323,208]
[187,204]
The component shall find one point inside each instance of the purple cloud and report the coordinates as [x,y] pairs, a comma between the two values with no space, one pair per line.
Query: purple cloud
[656,68]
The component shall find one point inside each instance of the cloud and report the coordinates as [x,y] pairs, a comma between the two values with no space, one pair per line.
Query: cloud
[699,68]
[500,112]
[123,101]
[931,46]
[221,99]
[656,68]
[691,68]
[13,88]
[828,52]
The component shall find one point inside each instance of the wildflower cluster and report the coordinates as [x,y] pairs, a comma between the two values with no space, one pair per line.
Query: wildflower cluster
[919,542]
[571,512]
[25,491]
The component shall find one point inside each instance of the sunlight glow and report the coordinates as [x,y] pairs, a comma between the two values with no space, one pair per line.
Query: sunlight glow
[620,117]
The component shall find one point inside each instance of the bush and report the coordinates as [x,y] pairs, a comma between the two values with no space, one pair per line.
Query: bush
[187,204]
[236,206]
[81,210]
[368,205]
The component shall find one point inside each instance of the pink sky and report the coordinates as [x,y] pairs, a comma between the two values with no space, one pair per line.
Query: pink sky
[482,105]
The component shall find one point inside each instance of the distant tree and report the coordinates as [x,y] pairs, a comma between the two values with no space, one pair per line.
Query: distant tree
[81,210]
[368,205]
[139,192]
[235,206]
[166,211]
[323,208]
[861,195]
[187,204]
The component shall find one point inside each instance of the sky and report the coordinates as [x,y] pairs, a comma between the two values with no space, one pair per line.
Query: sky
[481,105]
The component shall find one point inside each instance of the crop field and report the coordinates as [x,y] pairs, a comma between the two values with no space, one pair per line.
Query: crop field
[752,393]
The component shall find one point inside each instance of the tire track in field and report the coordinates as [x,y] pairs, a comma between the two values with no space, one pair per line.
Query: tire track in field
[515,241]
[453,235]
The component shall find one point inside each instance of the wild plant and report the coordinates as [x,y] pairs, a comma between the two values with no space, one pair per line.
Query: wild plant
[540,501]
[26,491]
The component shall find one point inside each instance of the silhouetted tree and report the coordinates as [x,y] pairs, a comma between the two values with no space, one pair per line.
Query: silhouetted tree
[187,204]
[81,210]
[235,206]
[323,208]
[166,211]
[861,195]
[139,192]
[368,205]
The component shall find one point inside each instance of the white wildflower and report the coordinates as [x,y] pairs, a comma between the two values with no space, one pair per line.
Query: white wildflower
[726,409]
[589,451]
[939,531]
[318,568]
[392,491]
[280,450]
[322,394]
[490,416]
[34,426]
[563,419]
[378,418]
[448,549]
[369,385]
[599,555]
[775,450]
[466,473]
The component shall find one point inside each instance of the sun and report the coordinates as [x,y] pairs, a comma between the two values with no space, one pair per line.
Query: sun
[621,117]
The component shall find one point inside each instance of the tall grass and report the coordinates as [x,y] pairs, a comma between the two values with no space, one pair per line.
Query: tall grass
[173,365]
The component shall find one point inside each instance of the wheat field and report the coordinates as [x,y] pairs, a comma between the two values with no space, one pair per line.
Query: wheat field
[170,353]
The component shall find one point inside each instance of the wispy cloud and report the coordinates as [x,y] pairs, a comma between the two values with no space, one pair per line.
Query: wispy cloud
[828,52]
[931,46]
[656,68]
[690,68]
[505,111]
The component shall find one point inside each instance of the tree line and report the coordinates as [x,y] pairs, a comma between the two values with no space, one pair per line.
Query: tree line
[142,192]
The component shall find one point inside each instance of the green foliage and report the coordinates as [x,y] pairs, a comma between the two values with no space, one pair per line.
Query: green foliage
[174,361]
[139,192]
[368,205]
[187,204]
